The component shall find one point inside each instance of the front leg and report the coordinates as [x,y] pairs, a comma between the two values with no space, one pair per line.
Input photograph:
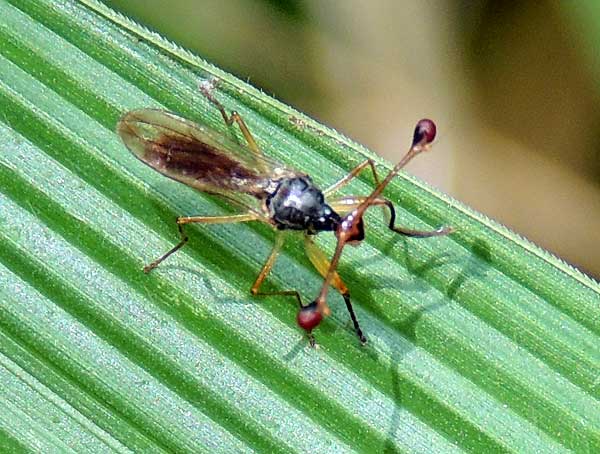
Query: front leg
[348,204]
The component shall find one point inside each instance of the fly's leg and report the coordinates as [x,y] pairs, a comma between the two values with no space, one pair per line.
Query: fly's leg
[347,204]
[198,219]
[322,264]
[184,239]
[206,88]
[266,269]
[353,174]
[440,231]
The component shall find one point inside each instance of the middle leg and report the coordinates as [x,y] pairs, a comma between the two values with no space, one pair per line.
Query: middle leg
[266,269]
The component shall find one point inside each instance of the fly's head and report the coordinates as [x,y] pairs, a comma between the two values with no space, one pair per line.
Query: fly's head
[351,229]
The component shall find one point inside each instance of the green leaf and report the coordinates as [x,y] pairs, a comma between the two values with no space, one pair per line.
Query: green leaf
[479,341]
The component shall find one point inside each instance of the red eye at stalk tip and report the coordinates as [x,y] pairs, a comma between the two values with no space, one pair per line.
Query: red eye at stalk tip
[424,132]
[309,317]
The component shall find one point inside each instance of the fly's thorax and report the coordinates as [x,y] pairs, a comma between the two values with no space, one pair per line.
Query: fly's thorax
[297,204]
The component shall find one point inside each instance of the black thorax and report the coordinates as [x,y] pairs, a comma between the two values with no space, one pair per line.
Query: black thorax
[297,204]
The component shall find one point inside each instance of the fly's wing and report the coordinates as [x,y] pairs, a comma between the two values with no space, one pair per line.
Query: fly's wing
[197,155]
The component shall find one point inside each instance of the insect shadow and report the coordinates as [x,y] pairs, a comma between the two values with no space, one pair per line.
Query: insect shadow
[414,281]
[474,267]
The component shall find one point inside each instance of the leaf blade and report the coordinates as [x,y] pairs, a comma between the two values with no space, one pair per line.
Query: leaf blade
[450,333]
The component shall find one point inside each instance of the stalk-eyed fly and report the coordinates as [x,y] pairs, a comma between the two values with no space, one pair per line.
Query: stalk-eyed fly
[266,191]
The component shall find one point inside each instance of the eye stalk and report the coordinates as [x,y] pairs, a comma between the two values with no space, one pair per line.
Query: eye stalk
[351,230]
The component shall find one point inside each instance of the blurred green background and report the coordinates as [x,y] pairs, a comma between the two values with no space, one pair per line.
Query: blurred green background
[513,87]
